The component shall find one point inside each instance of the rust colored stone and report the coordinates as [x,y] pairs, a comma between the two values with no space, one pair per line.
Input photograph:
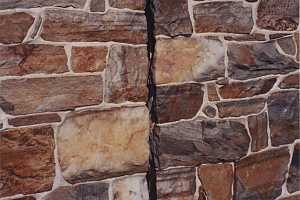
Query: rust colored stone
[212,93]
[131,4]
[291,81]
[34,119]
[293,181]
[258,125]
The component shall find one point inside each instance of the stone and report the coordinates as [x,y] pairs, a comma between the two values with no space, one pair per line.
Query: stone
[88,191]
[199,141]
[261,176]
[116,143]
[292,197]
[212,93]
[283,108]
[35,95]
[32,59]
[293,181]
[258,128]
[239,108]
[254,60]
[277,15]
[126,74]
[88,59]
[223,17]
[238,89]
[27,160]
[217,180]
[175,102]
[287,45]
[97,5]
[276,36]
[79,26]
[297,40]
[176,184]
[171,18]
[34,119]
[25,198]
[291,81]
[13,4]
[210,111]
[246,37]
[189,59]
[131,4]
[14,27]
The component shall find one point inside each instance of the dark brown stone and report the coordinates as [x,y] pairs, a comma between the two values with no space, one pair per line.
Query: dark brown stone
[12,4]
[32,58]
[278,35]
[25,96]
[292,197]
[293,181]
[172,18]
[131,4]
[14,27]
[212,93]
[201,141]
[202,194]
[125,27]
[34,119]
[287,44]
[209,111]
[247,37]
[97,6]
[25,198]
[27,160]
[239,108]
[223,17]
[261,176]
[255,60]
[258,125]
[175,102]
[297,40]
[278,15]
[291,81]
[283,108]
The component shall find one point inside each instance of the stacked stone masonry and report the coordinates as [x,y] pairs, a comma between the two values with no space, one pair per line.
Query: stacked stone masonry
[74,117]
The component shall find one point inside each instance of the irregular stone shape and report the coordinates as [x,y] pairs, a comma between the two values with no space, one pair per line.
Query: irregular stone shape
[255,60]
[293,181]
[223,17]
[126,74]
[239,108]
[246,37]
[32,58]
[27,160]
[260,176]
[89,59]
[89,191]
[131,187]
[202,141]
[189,59]
[287,44]
[217,180]
[291,81]
[212,93]
[210,111]
[116,143]
[14,27]
[171,18]
[277,15]
[97,5]
[283,108]
[33,95]
[176,184]
[234,90]
[175,102]
[297,40]
[34,119]
[258,125]
[292,197]
[12,4]
[131,4]
[125,27]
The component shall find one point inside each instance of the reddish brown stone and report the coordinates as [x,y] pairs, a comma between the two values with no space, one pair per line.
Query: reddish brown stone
[291,81]
[27,160]
[12,4]
[32,58]
[131,4]
[202,194]
[247,37]
[14,27]
[292,197]
[212,92]
[89,59]
[97,6]
[34,119]
[293,181]
[258,130]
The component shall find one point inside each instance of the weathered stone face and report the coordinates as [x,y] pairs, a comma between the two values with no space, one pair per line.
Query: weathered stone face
[30,58]
[258,125]
[223,17]
[283,108]
[293,181]
[131,4]
[186,59]
[34,119]
[97,6]
[261,176]
[202,141]
[27,160]
[291,81]
[287,44]
[246,37]
[297,40]
[93,145]
[212,93]
[12,4]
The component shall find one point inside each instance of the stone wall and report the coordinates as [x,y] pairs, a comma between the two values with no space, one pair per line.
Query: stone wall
[77,78]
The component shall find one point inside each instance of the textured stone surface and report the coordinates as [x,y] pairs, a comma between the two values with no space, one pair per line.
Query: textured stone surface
[25,198]
[12,4]
[175,102]
[172,18]
[292,197]
[202,141]
[212,93]
[116,143]
[297,40]
[240,107]
[217,180]
[126,74]
[209,111]
[27,160]
[24,96]
[258,128]
[293,181]
[97,6]
[223,17]
[291,81]
[32,58]
[34,119]
[261,176]
[131,4]
[251,88]
[246,37]
[176,184]
[283,108]
[14,27]
[89,59]
[126,27]
[287,44]
[278,15]
[187,59]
